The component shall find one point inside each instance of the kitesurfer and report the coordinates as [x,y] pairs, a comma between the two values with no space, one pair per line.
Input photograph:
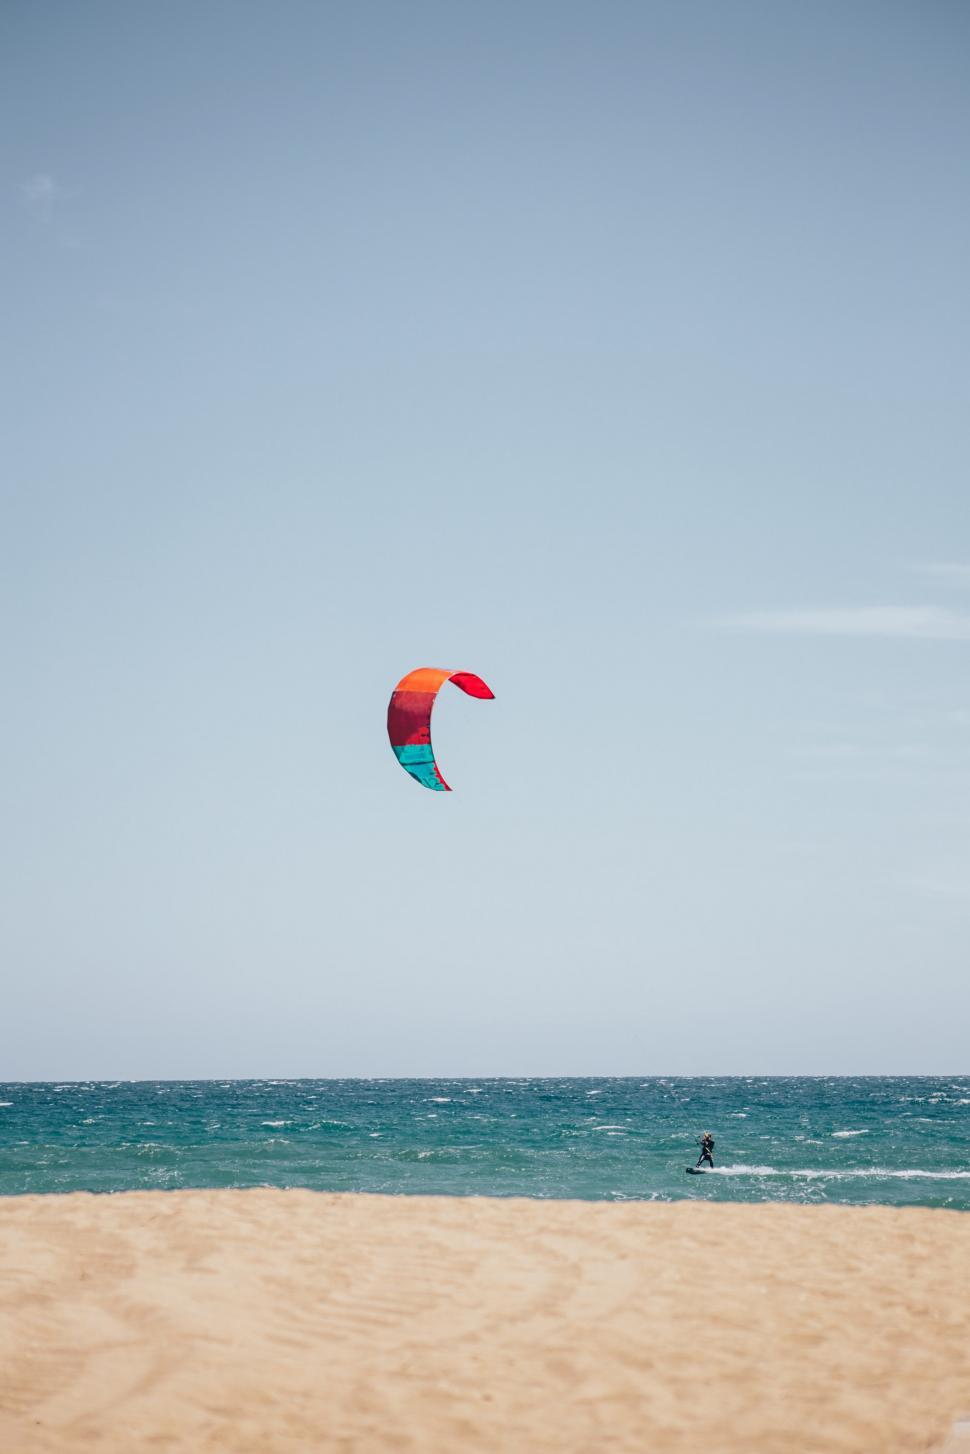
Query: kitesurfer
[707,1150]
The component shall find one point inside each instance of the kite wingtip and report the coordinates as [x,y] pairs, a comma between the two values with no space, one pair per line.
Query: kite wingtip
[468,682]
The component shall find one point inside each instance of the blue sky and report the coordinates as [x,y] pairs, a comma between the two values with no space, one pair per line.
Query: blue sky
[617,354]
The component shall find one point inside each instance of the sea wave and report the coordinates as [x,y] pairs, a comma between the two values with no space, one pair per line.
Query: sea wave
[813,1173]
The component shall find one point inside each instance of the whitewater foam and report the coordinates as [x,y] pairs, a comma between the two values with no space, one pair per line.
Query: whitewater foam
[814,1173]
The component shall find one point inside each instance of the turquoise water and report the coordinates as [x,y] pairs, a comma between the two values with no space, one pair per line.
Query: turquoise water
[895,1141]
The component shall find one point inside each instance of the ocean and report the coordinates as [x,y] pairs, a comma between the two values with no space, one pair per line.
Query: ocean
[891,1141]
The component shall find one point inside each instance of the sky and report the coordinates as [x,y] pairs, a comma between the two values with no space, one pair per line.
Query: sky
[617,353]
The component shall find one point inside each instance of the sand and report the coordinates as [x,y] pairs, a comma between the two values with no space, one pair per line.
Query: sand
[276,1321]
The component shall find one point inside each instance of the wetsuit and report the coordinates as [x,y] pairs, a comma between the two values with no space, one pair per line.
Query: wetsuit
[707,1152]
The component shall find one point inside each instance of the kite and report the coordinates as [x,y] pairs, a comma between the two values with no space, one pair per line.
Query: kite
[409,719]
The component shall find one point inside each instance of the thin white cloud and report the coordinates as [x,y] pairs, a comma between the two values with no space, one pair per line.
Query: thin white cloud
[897,623]
[825,752]
[944,881]
[955,573]
[41,193]
[49,206]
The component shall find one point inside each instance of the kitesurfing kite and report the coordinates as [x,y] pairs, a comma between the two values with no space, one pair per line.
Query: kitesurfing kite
[409,719]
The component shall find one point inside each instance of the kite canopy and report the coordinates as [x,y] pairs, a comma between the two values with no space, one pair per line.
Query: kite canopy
[409,719]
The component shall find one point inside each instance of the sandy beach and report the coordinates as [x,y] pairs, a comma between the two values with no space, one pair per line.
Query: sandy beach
[271,1320]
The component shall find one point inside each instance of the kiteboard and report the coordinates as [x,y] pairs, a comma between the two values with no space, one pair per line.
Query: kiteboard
[696,1170]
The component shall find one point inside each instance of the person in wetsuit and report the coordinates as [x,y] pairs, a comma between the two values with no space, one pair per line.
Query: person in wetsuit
[707,1150]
